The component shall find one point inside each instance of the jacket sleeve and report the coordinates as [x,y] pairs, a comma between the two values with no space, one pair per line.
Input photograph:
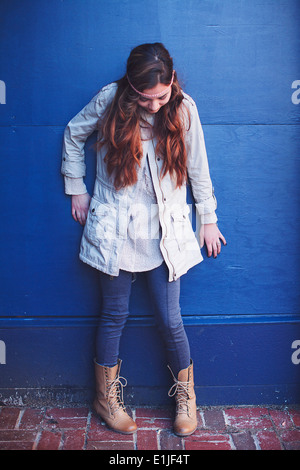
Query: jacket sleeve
[79,129]
[198,169]
[74,186]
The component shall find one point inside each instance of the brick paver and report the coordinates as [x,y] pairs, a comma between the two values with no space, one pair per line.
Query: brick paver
[219,428]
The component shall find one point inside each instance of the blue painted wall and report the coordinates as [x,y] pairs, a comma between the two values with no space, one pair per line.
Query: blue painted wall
[239,59]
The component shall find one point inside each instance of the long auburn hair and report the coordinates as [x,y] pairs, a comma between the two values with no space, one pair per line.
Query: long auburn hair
[147,65]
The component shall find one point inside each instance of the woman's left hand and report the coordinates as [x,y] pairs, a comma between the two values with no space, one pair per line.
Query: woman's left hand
[211,236]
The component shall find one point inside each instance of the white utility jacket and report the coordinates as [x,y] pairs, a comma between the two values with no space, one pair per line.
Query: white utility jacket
[106,226]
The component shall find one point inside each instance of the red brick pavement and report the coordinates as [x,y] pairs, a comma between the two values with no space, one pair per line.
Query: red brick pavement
[219,428]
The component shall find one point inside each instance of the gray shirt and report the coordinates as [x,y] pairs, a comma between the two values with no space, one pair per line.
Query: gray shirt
[141,251]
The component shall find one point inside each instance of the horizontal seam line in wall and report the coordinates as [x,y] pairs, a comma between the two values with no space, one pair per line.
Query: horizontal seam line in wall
[148,320]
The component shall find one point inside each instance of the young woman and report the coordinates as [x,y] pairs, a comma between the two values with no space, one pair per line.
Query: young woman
[150,144]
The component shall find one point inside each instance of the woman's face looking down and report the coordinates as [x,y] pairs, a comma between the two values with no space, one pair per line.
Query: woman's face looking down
[153,105]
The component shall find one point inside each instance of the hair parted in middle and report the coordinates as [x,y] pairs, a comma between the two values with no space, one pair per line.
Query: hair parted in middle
[147,66]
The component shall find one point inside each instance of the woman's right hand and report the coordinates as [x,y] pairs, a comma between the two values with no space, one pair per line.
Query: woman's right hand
[80,207]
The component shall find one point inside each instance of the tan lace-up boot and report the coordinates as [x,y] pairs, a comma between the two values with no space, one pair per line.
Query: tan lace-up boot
[186,411]
[108,402]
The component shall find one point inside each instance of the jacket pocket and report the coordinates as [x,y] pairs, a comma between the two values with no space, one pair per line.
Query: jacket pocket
[101,224]
[182,228]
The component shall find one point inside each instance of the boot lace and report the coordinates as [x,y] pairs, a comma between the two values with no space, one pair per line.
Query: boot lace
[181,392]
[115,393]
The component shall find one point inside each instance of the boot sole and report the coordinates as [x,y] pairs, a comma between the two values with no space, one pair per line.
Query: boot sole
[185,434]
[121,432]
